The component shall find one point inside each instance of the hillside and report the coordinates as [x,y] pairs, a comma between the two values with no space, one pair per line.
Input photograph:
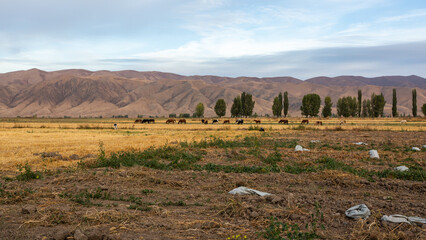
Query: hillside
[77,92]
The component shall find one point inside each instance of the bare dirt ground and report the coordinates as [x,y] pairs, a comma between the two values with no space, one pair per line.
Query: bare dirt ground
[183,194]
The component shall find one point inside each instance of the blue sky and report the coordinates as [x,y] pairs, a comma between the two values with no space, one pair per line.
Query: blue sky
[303,39]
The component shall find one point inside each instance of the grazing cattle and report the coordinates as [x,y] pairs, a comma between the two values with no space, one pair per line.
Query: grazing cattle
[182,121]
[342,122]
[115,126]
[138,121]
[305,121]
[170,121]
[150,120]
[215,121]
[226,122]
[261,129]
[403,121]
[202,120]
[206,122]
[257,121]
[319,122]
[239,121]
[284,121]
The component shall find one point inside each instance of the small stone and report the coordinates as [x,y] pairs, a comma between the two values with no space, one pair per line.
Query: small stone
[28,209]
[78,235]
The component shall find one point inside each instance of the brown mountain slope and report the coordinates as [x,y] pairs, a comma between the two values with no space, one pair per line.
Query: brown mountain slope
[77,92]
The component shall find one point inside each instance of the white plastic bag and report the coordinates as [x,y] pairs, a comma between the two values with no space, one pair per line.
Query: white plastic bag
[361,143]
[246,190]
[374,154]
[358,211]
[415,149]
[401,168]
[299,148]
[403,219]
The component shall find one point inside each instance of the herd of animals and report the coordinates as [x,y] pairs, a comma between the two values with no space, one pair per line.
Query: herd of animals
[238,121]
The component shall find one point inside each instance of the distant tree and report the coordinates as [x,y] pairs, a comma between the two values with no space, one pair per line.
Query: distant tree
[247,104]
[236,109]
[394,101]
[347,107]
[199,110]
[377,105]
[359,102]
[276,107]
[326,111]
[366,108]
[220,108]
[424,109]
[285,104]
[310,105]
[184,115]
[414,92]
[280,99]
[172,115]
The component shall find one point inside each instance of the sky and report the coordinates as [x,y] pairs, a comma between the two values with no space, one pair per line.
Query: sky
[298,38]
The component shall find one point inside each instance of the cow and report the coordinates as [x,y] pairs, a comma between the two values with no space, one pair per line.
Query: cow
[148,121]
[342,122]
[239,121]
[138,121]
[284,121]
[206,121]
[151,120]
[257,121]
[226,122]
[305,121]
[115,126]
[202,120]
[182,121]
[403,121]
[319,123]
[170,121]
[261,129]
[215,121]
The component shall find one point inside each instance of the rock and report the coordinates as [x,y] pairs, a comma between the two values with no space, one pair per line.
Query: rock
[401,168]
[28,209]
[78,235]
[374,154]
[62,234]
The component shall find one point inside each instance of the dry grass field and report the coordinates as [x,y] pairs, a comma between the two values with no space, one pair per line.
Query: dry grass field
[73,177]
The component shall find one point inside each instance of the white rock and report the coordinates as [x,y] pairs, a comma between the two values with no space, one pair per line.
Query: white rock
[361,143]
[299,148]
[245,190]
[374,154]
[358,211]
[415,149]
[401,168]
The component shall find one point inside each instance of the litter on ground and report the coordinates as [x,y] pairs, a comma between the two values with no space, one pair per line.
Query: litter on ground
[361,143]
[415,149]
[246,190]
[358,211]
[299,148]
[401,168]
[403,219]
[315,141]
[374,154]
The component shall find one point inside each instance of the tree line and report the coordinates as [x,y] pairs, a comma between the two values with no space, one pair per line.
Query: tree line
[347,106]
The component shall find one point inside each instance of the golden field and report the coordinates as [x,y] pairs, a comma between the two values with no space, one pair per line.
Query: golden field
[21,139]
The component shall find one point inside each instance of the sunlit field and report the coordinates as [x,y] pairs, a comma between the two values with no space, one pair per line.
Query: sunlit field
[22,139]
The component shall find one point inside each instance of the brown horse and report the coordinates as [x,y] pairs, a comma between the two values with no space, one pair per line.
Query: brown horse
[305,121]
[170,121]
[284,121]
[257,121]
[138,121]
[319,123]
[226,122]
[182,121]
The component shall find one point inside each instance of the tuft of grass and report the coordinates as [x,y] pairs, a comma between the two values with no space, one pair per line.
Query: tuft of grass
[27,174]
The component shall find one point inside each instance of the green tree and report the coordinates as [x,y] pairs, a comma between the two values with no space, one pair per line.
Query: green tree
[285,104]
[326,111]
[366,108]
[247,104]
[220,108]
[377,105]
[424,109]
[347,107]
[394,101]
[414,92]
[276,107]
[310,105]
[199,110]
[280,99]
[359,102]
[236,109]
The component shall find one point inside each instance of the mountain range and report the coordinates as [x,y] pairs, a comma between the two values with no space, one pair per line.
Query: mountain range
[77,92]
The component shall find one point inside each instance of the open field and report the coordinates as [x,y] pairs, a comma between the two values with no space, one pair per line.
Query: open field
[170,181]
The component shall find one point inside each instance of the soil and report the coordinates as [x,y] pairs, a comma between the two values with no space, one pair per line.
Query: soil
[143,203]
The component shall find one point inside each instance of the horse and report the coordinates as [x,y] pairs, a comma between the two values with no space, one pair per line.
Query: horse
[319,123]
[257,121]
[239,121]
[215,121]
[284,121]
[226,122]
[305,121]
[170,121]
[151,120]
[138,121]
[206,122]
[182,121]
